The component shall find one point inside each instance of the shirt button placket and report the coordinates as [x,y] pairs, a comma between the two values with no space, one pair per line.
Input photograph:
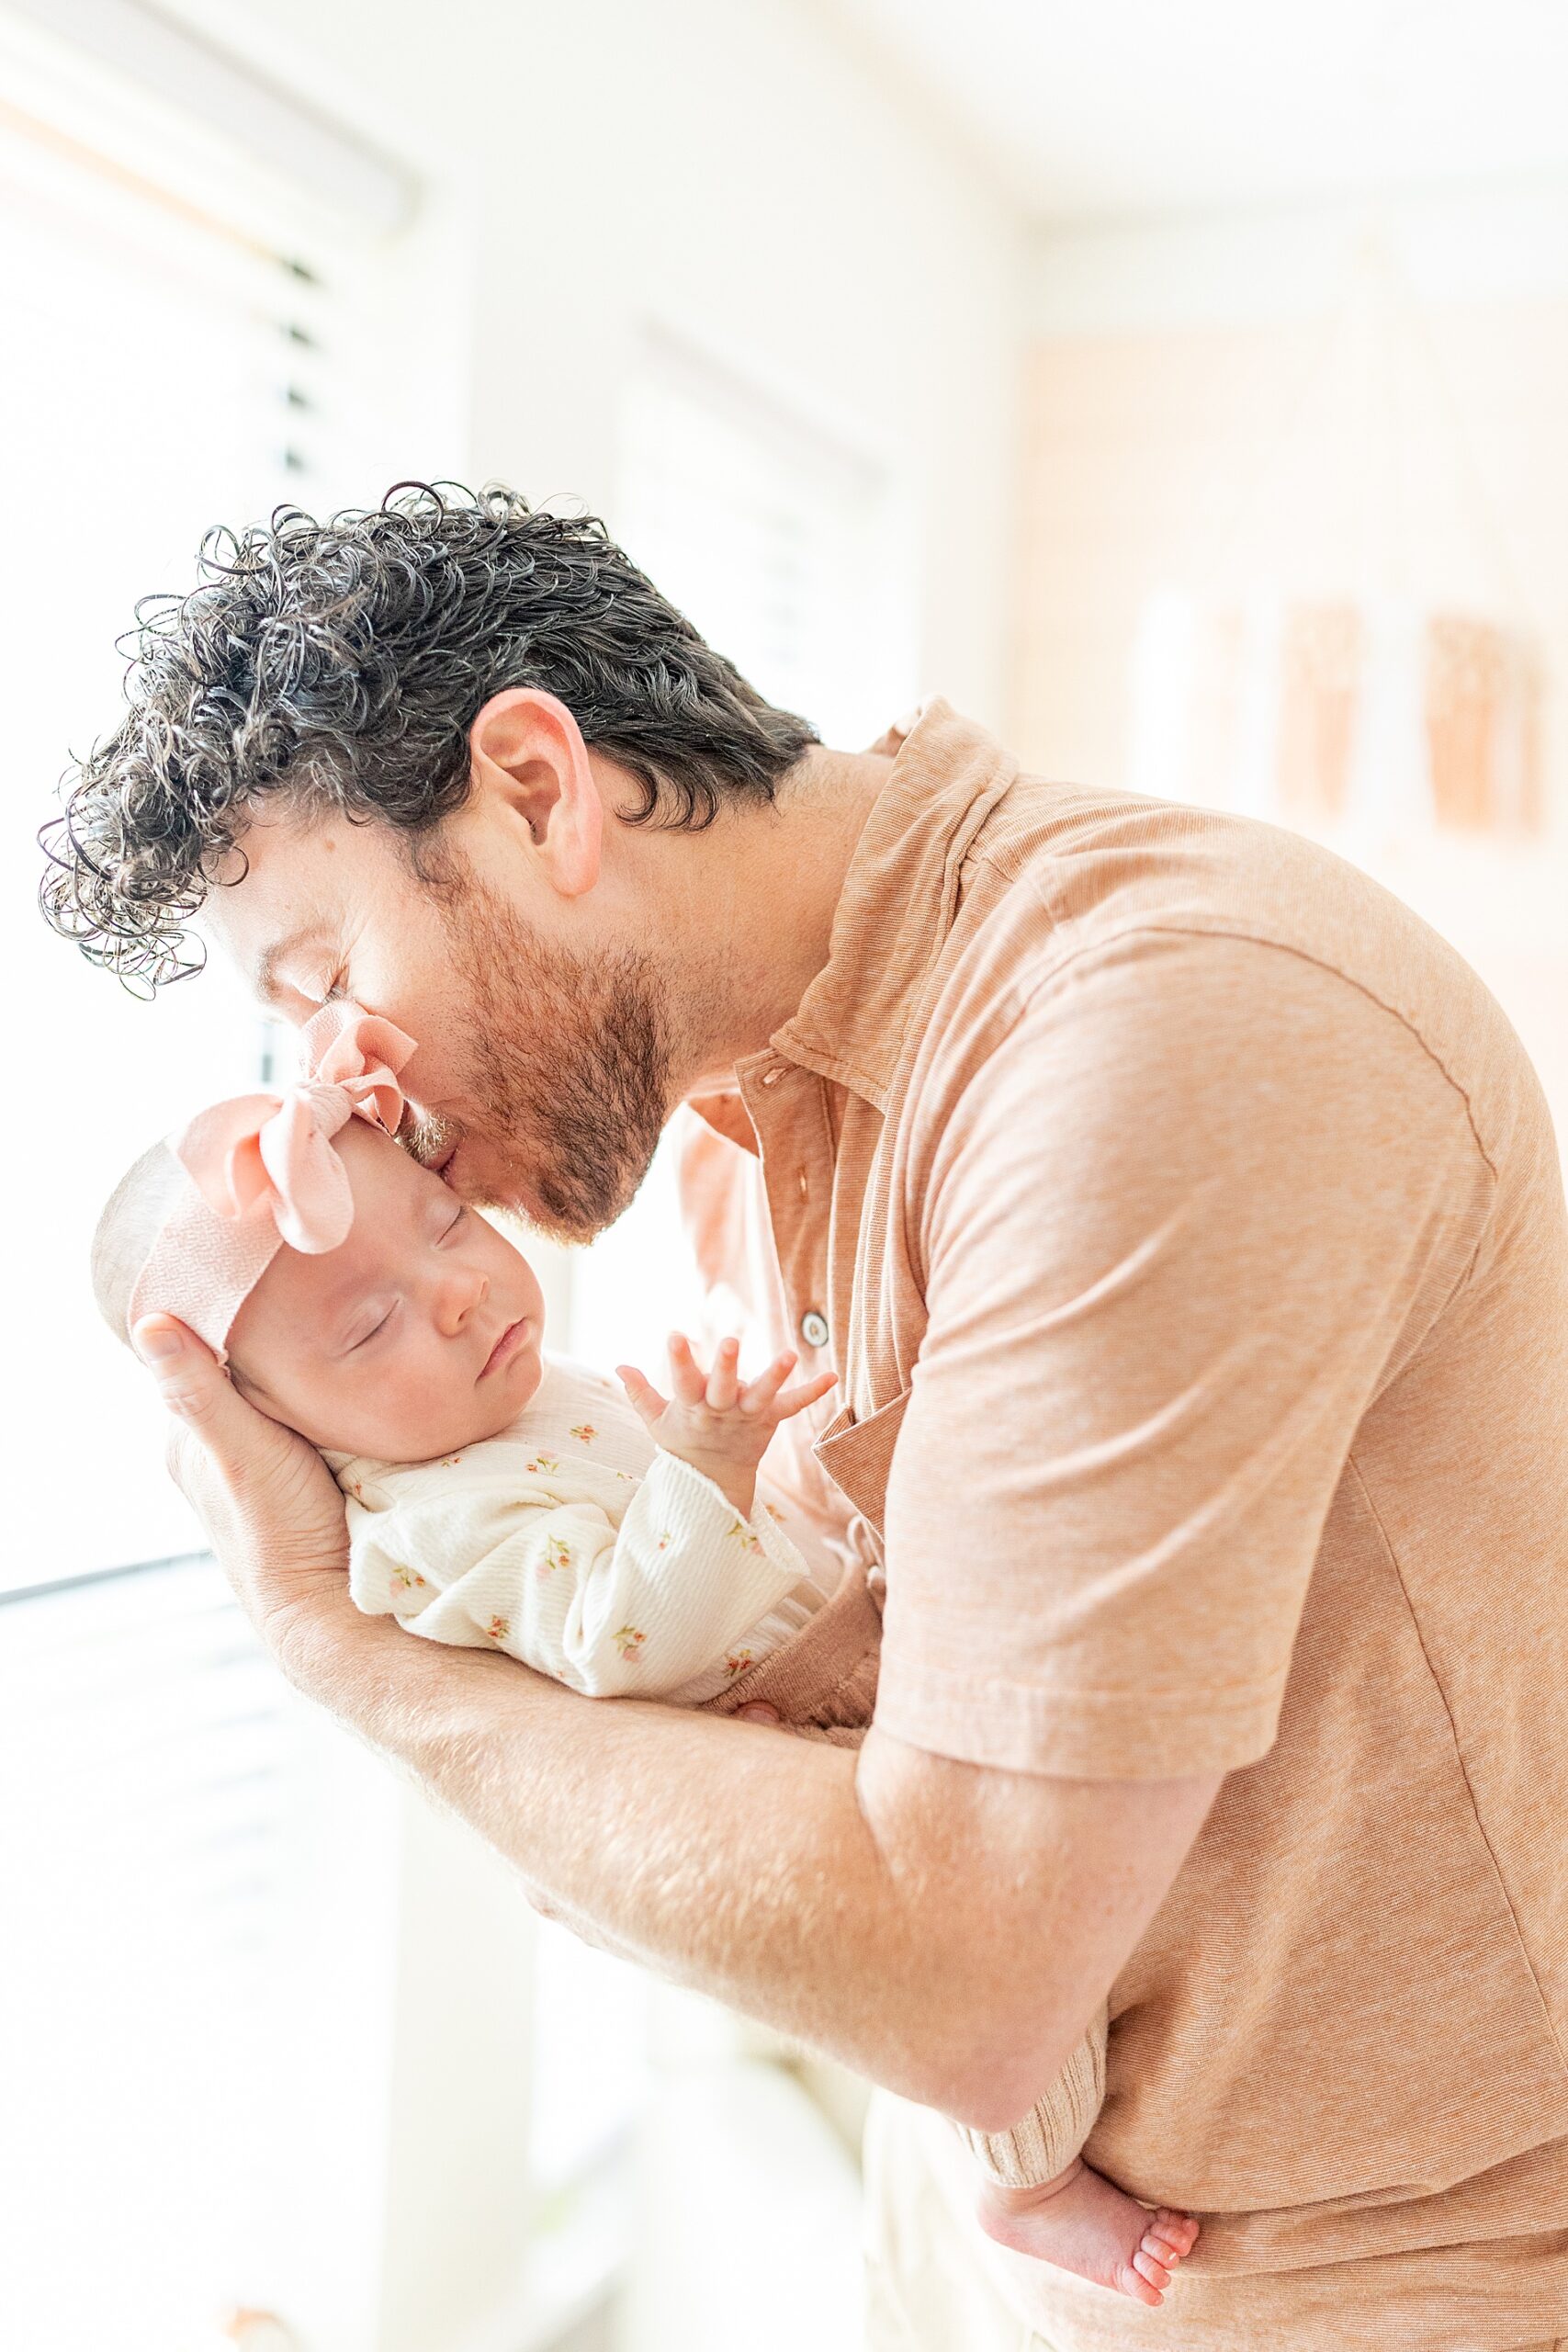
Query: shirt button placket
[812,1327]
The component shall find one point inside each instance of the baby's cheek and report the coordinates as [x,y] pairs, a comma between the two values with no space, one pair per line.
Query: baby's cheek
[429,1400]
[426,1403]
[395,1398]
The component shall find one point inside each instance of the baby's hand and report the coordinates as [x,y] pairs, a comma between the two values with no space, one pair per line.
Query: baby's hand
[719,1423]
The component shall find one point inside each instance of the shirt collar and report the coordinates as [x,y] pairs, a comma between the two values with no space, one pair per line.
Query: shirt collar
[899,900]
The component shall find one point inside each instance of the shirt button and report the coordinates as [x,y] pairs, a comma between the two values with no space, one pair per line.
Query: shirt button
[814,1329]
[771,1077]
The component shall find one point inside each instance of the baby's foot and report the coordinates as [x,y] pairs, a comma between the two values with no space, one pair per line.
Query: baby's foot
[1082,2223]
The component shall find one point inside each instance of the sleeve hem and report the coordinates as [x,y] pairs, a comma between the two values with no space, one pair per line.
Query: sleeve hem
[1077,1734]
[780,1554]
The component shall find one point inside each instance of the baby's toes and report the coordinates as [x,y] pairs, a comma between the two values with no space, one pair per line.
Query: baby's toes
[1132,2282]
[1148,2265]
[1178,2234]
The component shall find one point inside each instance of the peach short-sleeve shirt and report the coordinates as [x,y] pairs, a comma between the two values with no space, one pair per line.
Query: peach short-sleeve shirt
[1186,1225]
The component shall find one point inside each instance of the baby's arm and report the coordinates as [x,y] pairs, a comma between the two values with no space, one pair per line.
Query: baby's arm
[608,1611]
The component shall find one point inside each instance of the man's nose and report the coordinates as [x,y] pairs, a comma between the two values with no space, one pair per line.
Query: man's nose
[459,1294]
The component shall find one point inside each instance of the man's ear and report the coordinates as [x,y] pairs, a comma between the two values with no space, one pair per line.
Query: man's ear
[531,772]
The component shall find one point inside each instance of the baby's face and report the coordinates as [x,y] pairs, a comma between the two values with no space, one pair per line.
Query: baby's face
[421,1333]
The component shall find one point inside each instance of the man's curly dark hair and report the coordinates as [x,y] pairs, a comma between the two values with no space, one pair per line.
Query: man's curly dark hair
[340,664]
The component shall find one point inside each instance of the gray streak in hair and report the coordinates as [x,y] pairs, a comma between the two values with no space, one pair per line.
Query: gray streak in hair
[337,666]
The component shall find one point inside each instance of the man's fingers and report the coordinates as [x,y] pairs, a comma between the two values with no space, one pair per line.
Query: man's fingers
[271,1507]
[214,1428]
[190,1380]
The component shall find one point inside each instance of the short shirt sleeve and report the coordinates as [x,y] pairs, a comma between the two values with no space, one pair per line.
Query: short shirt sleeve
[1188,1210]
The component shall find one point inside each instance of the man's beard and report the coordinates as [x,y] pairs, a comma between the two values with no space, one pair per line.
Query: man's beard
[569,1067]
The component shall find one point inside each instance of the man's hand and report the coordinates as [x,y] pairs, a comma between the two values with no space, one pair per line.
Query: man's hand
[272,1510]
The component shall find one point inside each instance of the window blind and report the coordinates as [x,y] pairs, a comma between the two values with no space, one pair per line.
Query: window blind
[175,2032]
[165,370]
[147,1746]
[212,1906]
[197,1977]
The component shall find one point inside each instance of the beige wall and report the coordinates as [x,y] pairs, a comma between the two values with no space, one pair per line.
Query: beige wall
[1334,410]
[1166,456]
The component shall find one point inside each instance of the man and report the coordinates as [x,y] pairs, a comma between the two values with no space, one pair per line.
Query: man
[1184,1223]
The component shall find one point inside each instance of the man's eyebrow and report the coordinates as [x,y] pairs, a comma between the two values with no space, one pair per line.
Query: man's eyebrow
[265,981]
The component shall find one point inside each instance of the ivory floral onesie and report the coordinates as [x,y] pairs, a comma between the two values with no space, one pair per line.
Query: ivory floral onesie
[573,1544]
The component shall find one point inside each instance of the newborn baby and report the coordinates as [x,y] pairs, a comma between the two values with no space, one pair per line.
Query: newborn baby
[499,1500]
[491,1501]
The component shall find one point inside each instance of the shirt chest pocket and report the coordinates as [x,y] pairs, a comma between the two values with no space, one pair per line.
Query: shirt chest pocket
[858,1455]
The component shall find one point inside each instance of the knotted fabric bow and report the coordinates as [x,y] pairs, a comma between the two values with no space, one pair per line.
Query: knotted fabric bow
[261,1171]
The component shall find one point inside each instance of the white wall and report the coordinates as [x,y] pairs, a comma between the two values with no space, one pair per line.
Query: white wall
[1275,262]
[731,174]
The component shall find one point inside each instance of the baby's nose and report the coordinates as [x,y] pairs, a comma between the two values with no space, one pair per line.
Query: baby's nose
[461,1293]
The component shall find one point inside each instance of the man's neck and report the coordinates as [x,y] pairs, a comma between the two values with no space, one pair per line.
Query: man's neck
[775,886]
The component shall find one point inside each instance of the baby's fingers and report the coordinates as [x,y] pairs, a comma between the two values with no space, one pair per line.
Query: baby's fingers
[686,1376]
[723,1388]
[645,1400]
[808,1392]
[759,1394]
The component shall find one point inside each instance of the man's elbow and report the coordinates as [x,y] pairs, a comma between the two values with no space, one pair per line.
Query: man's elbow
[986,2078]
[986,2099]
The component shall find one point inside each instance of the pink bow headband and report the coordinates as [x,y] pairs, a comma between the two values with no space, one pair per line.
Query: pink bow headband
[261,1171]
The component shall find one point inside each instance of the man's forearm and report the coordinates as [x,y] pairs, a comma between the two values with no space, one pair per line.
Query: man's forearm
[727,1856]
[724,1855]
[946,1929]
